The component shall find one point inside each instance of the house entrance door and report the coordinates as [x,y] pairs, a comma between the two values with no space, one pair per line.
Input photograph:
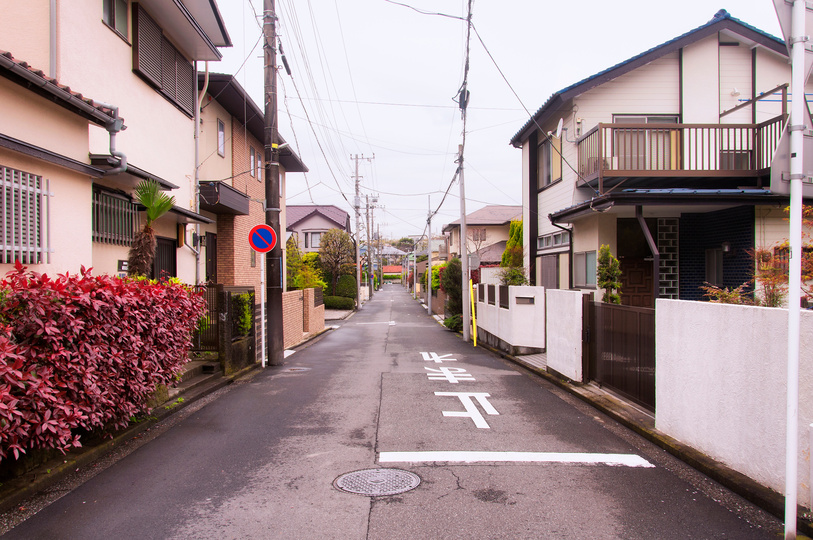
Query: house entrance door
[636,262]
[636,283]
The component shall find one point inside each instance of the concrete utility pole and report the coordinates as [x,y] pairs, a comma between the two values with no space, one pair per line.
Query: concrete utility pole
[272,203]
[369,251]
[429,257]
[357,205]
[464,255]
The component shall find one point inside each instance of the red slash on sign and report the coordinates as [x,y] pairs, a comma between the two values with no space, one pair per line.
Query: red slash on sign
[262,238]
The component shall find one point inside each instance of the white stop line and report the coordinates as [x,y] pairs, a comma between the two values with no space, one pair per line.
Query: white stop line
[616,460]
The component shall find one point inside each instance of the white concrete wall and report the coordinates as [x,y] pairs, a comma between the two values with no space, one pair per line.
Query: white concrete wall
[564,333]
[522,325]
[721,386]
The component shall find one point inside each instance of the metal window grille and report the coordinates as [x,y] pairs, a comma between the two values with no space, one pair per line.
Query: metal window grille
[24,223]
[504,297]
[114,219]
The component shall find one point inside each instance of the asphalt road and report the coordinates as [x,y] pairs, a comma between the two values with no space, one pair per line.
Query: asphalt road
[390,388]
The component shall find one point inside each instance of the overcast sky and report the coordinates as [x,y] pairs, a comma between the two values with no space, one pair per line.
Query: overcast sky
[372,77]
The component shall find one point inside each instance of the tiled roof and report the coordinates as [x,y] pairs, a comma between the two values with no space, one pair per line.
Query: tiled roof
[43,84]
[296,213]
[721,17]
[490,215]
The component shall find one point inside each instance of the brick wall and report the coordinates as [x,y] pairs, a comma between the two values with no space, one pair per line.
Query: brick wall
[292,318]
[314,316]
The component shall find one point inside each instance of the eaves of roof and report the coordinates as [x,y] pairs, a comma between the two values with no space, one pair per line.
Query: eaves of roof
[721,21]
[662,197]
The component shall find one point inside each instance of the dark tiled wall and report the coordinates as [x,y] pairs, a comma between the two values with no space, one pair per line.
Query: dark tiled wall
[699,232]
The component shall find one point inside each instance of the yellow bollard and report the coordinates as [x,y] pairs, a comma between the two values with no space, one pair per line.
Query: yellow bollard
[473,314]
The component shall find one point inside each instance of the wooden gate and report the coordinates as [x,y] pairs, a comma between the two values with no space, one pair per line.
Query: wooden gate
[622,350]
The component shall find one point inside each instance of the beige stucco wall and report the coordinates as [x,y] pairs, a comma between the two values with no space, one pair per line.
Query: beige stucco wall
[27,42]
[38,121]
[701,82]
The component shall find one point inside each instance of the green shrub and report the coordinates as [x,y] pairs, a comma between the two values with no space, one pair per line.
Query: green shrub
[454,323]
[346,286]
[339,302]
[243,305]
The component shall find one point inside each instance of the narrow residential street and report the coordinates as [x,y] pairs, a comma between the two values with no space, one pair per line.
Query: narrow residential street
[474,447]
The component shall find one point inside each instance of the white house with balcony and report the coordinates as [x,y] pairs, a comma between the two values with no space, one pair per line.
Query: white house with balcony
[665,157]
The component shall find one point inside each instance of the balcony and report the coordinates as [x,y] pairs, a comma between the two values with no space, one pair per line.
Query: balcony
[678,155]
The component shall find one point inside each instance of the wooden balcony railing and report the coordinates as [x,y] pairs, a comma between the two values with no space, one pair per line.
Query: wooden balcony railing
[613,151]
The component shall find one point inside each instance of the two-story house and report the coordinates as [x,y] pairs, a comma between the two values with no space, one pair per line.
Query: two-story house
[666,158]
[308,222]
[231,179]
[70,163]
[486,232]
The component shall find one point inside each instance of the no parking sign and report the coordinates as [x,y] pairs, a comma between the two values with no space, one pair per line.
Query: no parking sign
[262,238]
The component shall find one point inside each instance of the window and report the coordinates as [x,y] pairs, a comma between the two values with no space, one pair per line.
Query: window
[23,217]
[584,269]
[651,148]
[553,240]
[221,138]
[478,235]
[714,266]
[253,161]
[114,15]
[549,162]
[312,239]
[160,63]
[114,218]
[260,169]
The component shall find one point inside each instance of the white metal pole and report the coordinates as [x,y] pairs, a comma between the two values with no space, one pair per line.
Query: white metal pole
[262,306]
[797,123]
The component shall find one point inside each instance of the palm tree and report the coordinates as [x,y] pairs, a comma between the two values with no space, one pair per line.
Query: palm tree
[142,251]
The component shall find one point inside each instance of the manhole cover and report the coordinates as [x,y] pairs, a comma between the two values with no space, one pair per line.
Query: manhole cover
[377,482]
[296,369]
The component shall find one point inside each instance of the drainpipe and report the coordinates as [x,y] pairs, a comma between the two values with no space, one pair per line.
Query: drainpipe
[199,104]
[113,128]
[653,247]
[569,253]
[52,44]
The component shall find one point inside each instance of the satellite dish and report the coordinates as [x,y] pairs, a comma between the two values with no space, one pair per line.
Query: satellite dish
[559,129]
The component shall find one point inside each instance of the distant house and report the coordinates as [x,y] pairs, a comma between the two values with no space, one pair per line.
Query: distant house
[307,223]
[393,269]
[486,232]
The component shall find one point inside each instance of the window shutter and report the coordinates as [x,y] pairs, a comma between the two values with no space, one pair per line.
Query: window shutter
[146,46]
[185,93]
[168,68]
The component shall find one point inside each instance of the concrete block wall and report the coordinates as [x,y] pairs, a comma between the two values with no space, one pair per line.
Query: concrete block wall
[721,386]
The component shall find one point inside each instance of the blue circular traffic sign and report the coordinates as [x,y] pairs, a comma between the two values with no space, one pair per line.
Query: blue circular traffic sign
[262,238]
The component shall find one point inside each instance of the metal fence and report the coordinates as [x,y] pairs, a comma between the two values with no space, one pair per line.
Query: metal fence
[622,350]
[205,337]
[504,297]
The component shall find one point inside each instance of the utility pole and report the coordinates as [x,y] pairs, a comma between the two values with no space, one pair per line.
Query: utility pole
[429,257]
[464,255]
[369,251]
[357,204]
[272,202]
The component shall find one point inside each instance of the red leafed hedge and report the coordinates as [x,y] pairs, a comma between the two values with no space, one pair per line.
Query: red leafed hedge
[83,352]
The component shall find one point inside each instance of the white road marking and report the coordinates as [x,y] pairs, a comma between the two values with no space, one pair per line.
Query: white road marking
[471,409]
[288,352]
[434,357]
[391,323]
[449,374]
[615,460]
